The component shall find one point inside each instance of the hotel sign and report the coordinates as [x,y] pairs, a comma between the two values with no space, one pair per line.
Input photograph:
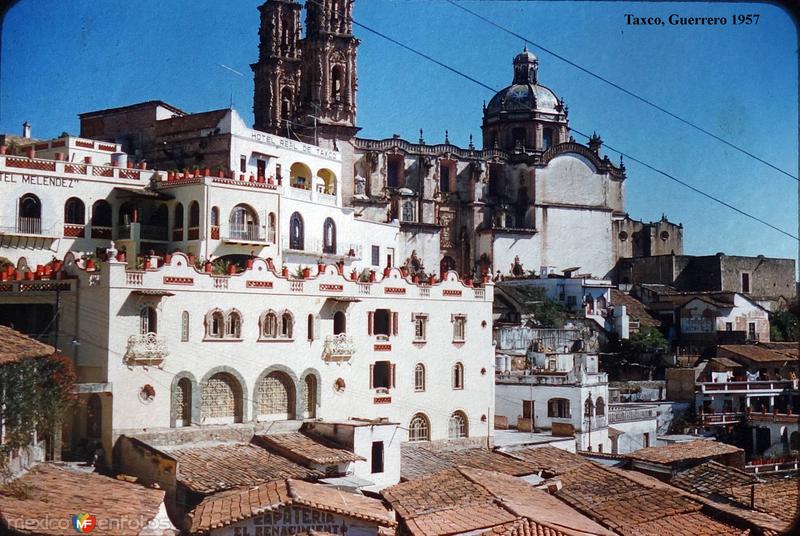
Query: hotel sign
[37,180]
[292,145]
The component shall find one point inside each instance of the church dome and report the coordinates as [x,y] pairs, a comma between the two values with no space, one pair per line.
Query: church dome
[524,97]
[525,93]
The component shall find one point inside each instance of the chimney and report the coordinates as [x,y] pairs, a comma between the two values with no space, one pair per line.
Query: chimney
[26,130]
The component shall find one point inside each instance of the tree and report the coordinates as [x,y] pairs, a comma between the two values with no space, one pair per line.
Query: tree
[547,313]
[783,326]
[647,340]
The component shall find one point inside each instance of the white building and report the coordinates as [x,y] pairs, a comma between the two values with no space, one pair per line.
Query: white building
[162,340]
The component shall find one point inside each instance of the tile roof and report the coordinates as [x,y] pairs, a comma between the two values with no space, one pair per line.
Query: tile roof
[227,507]
[635,308]
[699,449]
[693,524]
[418,461]
[758,352]
[551,461]
[781,498]
[145,104]
[14,346]
[523,527]
[467,499]
[52,494]
[306,449]
[220,467]
[630,506]
[711,478]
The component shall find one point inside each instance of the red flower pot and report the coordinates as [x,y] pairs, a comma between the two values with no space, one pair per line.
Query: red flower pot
[415,279]
[386,271]
[404,271]
[208,267]
[372,276]
[285,271]
[249,263]
[353,275]
[90,264]
[167,258]
[320,267]
[207,172]
[191,259]
[270,264]
[231,269]
[28,276]
[431,280]
[121,256]
[306,273]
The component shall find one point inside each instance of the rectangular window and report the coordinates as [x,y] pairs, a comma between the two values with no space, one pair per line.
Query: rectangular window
[459,328]
[527,409]
[381,375]
[444,177]
[278,173]
[377,456]
[185,326]
[751,331]
[728,326]
[381,322]
[600,447]
[745,282]
[376,255]
[646,439]
[420,327]
[261,165]
[243,164]
[572,301]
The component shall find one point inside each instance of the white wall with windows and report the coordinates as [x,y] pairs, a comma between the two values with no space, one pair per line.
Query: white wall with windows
[259,347]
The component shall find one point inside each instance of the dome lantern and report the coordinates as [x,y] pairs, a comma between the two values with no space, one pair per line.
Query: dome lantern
[526,66]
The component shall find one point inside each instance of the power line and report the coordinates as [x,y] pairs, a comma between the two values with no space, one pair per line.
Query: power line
[624,90]
[629,156]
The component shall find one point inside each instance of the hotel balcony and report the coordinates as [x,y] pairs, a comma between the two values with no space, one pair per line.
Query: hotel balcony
[338,348]
[754,388]
[245,234]
[721,419]
[28,227]
[317,249]
[146,349]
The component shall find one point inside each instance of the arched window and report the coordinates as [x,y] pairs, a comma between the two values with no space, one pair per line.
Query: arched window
[310,327]
[337,82]
[215,325]
[296,232]
[243,223]
[329,236]
[339,323]
[177,223]
[446,264]
[286,104]
[233,326]
[300,176]
[272,228]
[458,426]
[215,216]
[310,396]
[419,429]
[547,138]
[30,214]
[185,326]
[329,179]
[408,211]
[194,214]
[74,211]
[269,325]
[147,321]
[600,406]
[458,376]
[182,401]
[287,325]
[275,396]
[419,377]
[558,408]
[101,214]
[222,400]
[587,407]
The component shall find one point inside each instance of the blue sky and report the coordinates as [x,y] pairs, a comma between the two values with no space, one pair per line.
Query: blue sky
[740,82]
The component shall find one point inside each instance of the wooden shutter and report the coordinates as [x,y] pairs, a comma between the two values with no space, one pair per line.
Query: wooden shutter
[370,321]
[392,370]
[395,322]
[371,370]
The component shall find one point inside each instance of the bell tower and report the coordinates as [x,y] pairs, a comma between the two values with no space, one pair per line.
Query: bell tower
[328,101]
[277,74]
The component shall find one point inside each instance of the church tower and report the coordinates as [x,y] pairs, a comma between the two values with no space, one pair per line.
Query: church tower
[329,79]
[278,71]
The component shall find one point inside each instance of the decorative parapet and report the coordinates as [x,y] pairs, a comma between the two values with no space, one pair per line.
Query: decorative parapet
[338,348]
[146,349]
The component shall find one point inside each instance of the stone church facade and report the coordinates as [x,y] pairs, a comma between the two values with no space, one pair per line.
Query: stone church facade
[530,199]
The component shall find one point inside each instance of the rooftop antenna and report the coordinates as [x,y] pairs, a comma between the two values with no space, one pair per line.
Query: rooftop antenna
[234,71]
